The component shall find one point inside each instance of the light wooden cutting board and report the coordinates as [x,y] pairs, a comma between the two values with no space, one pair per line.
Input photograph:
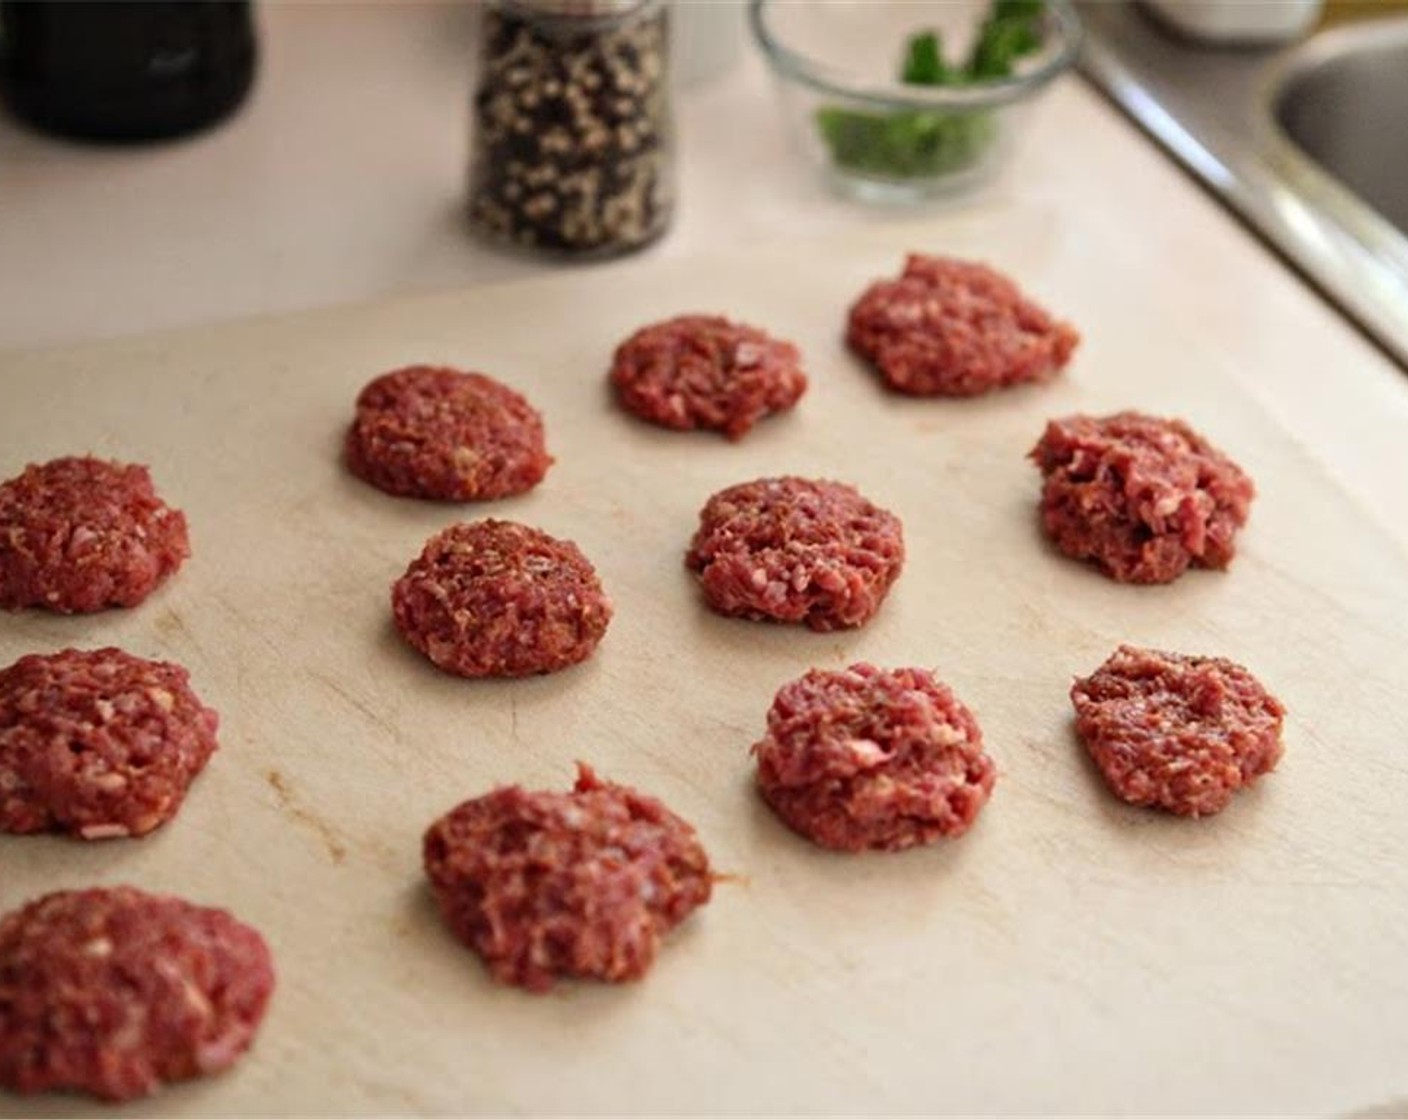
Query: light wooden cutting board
[1069,954]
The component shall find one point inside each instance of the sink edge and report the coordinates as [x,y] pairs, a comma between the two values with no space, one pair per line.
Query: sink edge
[1353,256]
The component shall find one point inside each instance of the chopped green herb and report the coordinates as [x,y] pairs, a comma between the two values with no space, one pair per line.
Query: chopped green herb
[1017,9]
[1002,40]
[924,62]
[905,144]
[920,143]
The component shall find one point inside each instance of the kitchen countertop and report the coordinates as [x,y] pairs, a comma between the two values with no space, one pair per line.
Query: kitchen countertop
[342,179]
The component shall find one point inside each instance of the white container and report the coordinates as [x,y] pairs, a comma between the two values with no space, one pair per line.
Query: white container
[1238,21]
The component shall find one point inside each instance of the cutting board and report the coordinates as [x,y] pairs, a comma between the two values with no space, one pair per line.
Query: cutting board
[1069,954]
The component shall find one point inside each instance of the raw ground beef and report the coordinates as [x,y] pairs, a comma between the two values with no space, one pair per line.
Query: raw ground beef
[81,534]
[703,371]
[956,329]
[434,432]
[867,758]
[796,550]
[98,743]
[498,599]
[1177,732]
[546,886]
[1142,497]
[113,992]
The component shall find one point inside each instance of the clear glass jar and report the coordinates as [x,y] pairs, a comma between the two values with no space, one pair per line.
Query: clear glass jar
[572,149]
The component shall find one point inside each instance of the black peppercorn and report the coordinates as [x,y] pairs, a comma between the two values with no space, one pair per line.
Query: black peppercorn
[572,146]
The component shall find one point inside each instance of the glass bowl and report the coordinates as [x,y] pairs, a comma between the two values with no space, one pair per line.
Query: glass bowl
[837,63]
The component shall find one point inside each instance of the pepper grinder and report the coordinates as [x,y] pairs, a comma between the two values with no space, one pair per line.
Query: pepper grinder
[572,151]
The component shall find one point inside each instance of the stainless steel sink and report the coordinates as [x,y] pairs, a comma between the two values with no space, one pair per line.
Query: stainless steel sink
[1344,101]
[1308,143]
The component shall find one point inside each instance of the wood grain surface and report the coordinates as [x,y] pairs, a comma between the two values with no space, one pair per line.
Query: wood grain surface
[1070,954]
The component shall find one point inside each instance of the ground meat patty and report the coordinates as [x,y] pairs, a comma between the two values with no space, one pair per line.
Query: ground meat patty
[498,599]
[98,743]
[954,328]
[796,550]
[703,371]
[433,432]
[81,534]
[545,886]
[867,758]
[1140,496]
[1178,732]
[113,992]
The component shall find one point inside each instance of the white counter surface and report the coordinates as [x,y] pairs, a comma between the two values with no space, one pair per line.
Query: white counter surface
[343,179]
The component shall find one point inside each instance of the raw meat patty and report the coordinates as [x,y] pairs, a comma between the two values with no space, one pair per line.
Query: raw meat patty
[1177,732]
[956,329]
[81,534]
[113,992]
[703,371]
[796,550]
[98,743]
[545,886]
[1142,497]
[498,599]
[869,758]
[434,432]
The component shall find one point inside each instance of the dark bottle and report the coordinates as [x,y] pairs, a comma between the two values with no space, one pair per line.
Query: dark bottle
[125,71]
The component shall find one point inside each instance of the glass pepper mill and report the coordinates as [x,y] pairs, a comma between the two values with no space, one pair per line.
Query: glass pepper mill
[572,149]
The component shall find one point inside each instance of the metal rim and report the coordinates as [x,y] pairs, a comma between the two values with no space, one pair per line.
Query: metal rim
[1302,170]
[896,95]
[1317,52]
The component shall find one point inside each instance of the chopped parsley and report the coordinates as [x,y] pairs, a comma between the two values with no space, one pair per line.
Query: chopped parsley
[921,143]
